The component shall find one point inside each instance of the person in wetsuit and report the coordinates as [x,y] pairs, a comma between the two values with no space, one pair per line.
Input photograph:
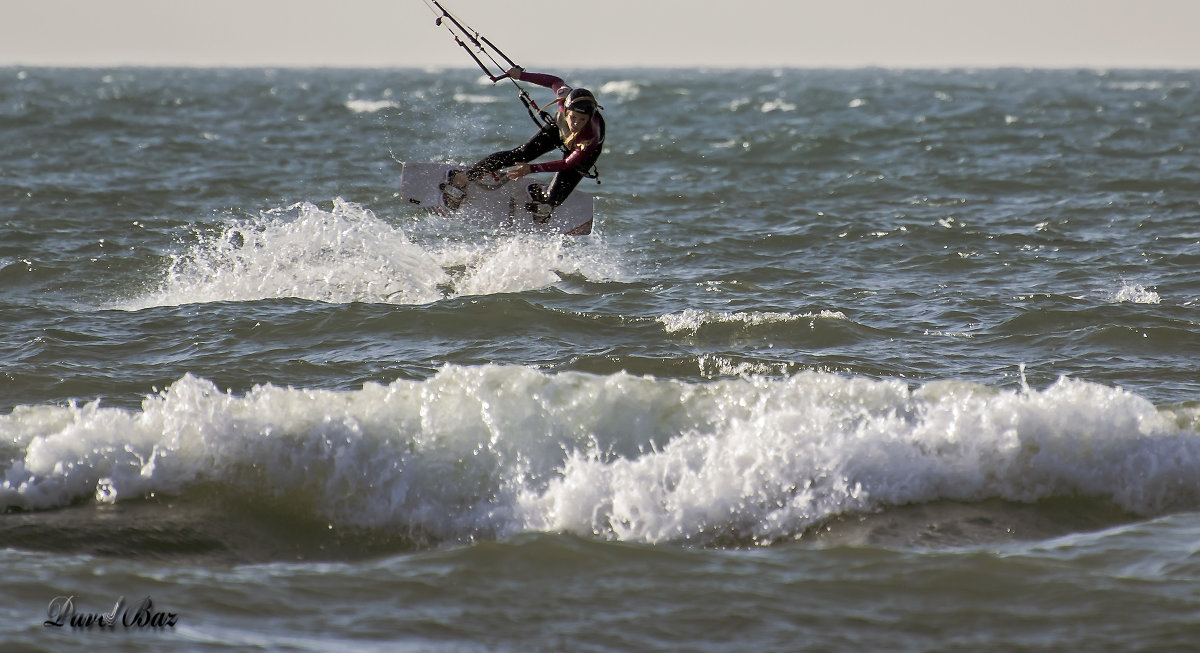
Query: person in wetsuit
[578,128]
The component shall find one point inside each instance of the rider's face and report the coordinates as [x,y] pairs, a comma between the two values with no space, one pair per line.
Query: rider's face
[577,119]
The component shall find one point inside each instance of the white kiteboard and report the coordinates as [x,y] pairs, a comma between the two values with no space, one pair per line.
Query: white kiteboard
[494,200]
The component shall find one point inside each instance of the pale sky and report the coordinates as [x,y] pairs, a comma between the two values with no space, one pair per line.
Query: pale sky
[607,33]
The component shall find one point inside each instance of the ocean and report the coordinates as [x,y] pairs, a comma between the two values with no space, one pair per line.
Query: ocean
[862,359]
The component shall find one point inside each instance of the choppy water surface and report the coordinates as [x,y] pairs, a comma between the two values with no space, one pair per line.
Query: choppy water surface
[854,359]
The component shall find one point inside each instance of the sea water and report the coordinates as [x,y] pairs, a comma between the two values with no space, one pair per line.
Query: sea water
[854,360]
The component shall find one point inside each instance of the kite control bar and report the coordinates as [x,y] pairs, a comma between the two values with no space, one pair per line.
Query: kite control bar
[488,49]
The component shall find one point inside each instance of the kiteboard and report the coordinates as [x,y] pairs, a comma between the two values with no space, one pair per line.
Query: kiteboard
[494,200]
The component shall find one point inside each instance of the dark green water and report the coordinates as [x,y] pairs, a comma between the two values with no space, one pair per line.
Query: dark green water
[855,360]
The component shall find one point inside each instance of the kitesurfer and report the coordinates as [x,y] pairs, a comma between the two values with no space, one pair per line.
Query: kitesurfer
[578,129]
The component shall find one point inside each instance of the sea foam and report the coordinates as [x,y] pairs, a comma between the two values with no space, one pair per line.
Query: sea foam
[492,450]
[1137,294]
[348,254]
[370,106]
[693,320]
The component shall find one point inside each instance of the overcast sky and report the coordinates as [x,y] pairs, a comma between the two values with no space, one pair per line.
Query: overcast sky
[607,33]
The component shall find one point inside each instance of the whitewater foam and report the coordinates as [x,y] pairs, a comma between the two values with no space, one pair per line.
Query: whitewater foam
[348,254]
[494,450]
[694,320]
[1136,293]
[624,90]
[370,106]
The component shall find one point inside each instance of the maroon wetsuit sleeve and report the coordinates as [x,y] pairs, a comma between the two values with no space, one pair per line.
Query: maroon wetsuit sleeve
[551,82]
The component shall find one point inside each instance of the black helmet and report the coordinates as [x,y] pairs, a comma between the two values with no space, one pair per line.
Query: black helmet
[583,101]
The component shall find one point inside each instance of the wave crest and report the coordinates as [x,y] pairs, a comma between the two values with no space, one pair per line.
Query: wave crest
[496,450]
